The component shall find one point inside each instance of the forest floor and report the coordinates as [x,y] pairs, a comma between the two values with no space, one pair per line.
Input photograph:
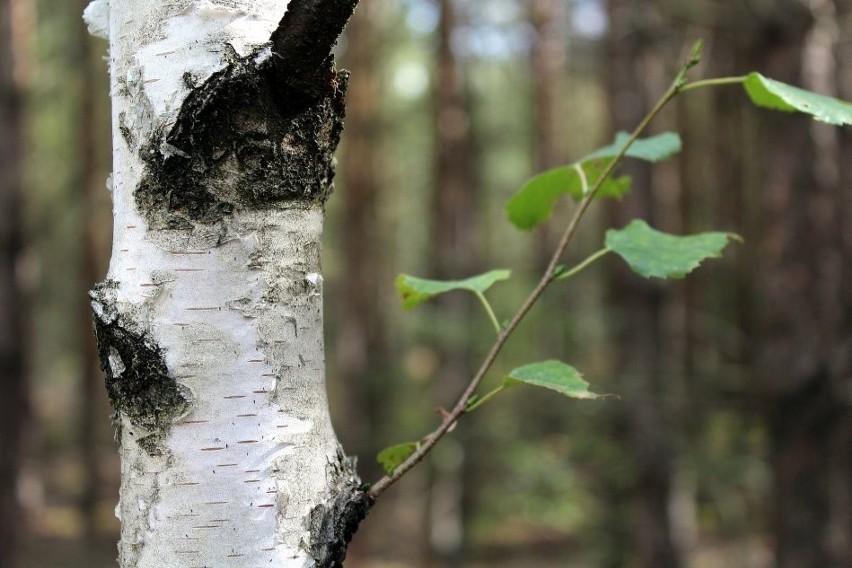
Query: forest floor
[74,553]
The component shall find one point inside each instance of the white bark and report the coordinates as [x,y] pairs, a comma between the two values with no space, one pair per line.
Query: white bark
[210,324]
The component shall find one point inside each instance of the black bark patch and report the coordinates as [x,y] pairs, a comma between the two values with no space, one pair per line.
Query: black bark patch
[137,380]
[239,143]
[152,444]
[332,525]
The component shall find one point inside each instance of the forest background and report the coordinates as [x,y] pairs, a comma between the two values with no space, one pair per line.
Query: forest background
[730,443]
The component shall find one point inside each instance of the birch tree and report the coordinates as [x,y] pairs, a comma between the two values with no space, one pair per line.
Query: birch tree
[226,115]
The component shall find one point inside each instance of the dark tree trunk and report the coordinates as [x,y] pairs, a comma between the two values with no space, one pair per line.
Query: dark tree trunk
[804,303]
[362,338]
[453,249]
[548,19]
[641,340]
[840,464]
[453,208]
[13,402]
[361,334]
[93,134]
[548,61]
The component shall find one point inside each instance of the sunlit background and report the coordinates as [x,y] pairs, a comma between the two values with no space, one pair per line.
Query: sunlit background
[730,445]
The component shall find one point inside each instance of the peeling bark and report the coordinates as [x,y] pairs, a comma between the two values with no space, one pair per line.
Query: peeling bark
[209,324]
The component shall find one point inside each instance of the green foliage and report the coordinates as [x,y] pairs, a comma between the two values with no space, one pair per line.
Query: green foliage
[772,94]
[414,291]
[653,254]
[391,457]
[553,375]
[534,203]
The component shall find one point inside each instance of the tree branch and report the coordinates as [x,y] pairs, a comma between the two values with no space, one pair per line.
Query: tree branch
[547,278]
[302,46]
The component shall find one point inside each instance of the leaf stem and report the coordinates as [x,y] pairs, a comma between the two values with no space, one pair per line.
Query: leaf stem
[481,401]
[588,261]
[461,407]
[489,310]
[718,82]
[584,182]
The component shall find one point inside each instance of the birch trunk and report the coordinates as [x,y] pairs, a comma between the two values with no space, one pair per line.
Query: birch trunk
[226,115]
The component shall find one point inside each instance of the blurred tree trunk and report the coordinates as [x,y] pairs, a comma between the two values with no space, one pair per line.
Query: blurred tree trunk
[93,194]
[453,255]
[803,298]
[362,340]
[840,472]
[548,64]
[13,402]
[641,345]
[453,212]
[548,19]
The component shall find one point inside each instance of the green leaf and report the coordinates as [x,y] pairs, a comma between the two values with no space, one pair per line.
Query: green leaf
[392,457]
[652,149]
[772,94]
[414,291]
[554,375]
[653,254]
[534,202]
